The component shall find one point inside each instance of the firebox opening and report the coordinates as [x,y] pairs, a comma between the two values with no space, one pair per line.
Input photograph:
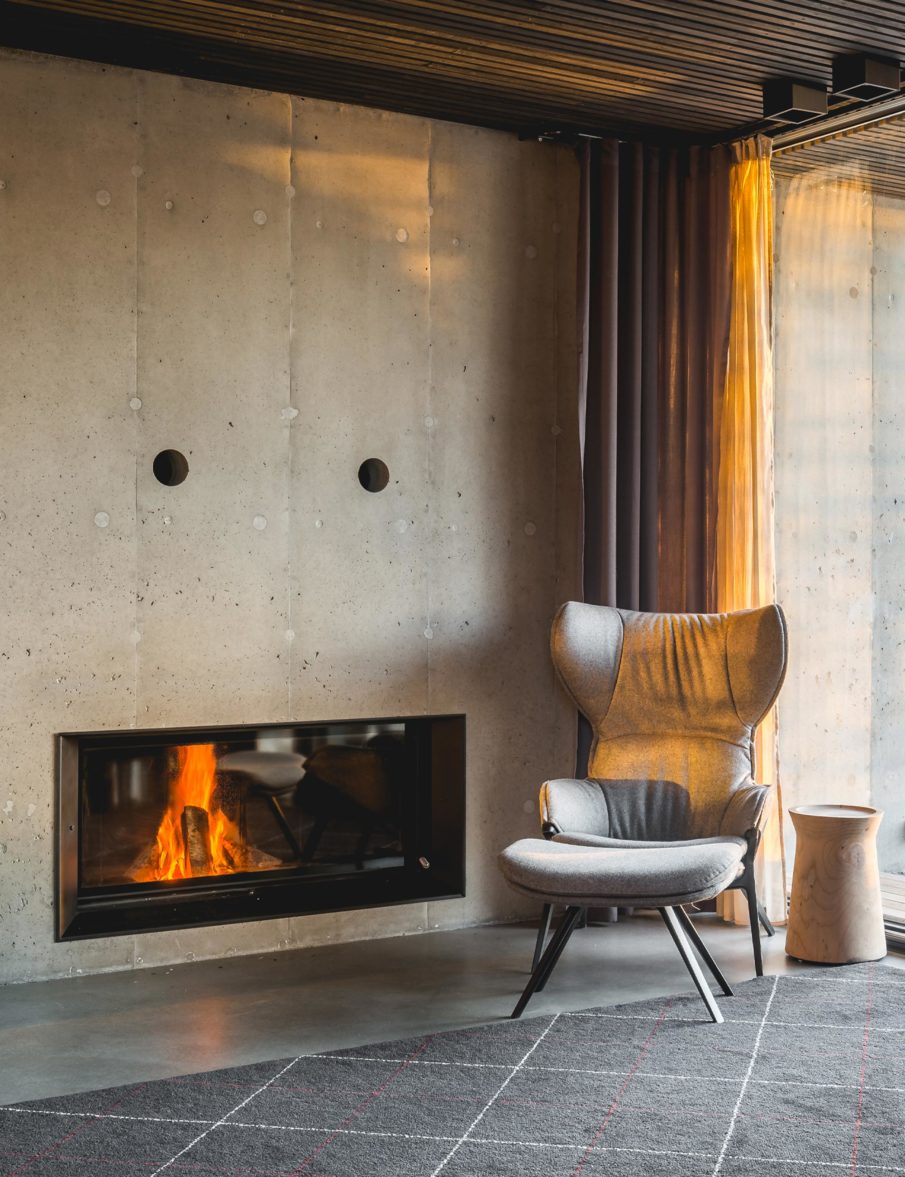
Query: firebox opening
[169,828]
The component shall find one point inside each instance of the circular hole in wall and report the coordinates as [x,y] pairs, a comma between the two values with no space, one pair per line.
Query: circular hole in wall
[373,474]
[171,467]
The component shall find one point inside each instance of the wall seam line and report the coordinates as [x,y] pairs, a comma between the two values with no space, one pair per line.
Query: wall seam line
[290,395]
[136,427]
[430,396]
[136,340]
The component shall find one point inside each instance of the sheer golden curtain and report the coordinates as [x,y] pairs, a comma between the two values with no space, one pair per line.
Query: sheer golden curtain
[744,567]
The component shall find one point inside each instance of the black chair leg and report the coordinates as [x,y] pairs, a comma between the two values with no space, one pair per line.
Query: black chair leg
[361,848]
[285,828]
[692,932]
[546,916]
[547,963]
[545,971]
[765,920]
[314,837]
[675,930]
[754,920]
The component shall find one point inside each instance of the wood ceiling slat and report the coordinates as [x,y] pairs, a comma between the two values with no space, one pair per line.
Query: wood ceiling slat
[575,114]
[647,67]
[480,110]
[357,47]
[204,16]
[401,48]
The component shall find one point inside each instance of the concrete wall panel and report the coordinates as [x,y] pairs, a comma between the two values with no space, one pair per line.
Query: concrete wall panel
[888,647]
[361,347]
[824,491]
[279,289]
[493,450]
[67,502]
[213,381]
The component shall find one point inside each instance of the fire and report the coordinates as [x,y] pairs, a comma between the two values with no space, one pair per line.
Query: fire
[187,847]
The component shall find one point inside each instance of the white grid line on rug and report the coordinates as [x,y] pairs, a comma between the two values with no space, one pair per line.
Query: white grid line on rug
[21,1110]
[363,1058]
[237,1108]
[772,1083]
[469,1139]
[832,978]
[617,1098]
[750,1022]
[747,1079]
[560,1147]
[480,1116]
[675,1110]
[375,1093]
[865,1055]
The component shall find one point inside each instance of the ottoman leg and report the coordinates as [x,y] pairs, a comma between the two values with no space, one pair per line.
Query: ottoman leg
[547,963]
[754,921]
[765,921]
[675,930]
[546,916]
[692,933]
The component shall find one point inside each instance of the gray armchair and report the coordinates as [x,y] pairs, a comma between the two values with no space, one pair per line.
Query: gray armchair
[673,701]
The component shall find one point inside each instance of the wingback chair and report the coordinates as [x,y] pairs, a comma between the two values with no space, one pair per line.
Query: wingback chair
[673,701]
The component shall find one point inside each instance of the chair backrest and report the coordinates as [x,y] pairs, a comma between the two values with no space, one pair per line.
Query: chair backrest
[673,700]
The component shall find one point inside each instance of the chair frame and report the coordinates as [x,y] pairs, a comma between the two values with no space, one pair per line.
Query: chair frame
[745,882]
[680,928]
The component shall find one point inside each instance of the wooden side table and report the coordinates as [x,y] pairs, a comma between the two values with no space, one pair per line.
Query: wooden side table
[836,916]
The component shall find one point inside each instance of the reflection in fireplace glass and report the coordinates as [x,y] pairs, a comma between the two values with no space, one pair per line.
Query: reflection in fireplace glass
[323,801]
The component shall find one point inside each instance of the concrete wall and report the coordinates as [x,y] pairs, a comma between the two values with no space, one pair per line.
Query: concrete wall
[840,501]
[280,289]
[888,565]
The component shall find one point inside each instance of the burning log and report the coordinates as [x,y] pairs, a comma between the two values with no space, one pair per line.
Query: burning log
[196,837]
[250,858]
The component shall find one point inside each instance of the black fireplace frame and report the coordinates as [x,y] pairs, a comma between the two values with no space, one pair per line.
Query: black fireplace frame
[434,861]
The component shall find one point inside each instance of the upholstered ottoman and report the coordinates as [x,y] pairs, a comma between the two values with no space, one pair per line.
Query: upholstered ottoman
[663,877]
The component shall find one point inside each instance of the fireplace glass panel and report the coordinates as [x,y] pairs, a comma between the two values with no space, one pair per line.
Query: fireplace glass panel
[322,802]
[176,828]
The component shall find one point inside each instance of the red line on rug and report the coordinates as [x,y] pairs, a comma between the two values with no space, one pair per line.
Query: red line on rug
[617,1099]
[58,1144]
[856,1140]
[194,1166]
[365,1103]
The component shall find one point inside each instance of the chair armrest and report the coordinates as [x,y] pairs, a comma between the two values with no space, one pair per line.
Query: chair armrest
[745,810]
[574,807]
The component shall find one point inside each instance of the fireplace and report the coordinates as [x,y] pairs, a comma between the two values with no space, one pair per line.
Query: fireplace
[171,828]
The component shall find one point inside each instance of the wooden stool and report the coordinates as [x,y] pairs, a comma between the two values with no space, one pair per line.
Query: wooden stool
[836,916]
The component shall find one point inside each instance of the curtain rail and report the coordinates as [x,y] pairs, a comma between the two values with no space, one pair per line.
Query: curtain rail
[835,126]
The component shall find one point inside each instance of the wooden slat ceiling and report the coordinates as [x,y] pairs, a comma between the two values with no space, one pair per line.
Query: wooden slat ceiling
[872,157]
[637,67]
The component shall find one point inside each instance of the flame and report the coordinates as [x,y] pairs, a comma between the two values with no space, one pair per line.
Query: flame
[193,785]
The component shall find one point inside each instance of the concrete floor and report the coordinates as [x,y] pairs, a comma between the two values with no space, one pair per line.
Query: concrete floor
[58,1037]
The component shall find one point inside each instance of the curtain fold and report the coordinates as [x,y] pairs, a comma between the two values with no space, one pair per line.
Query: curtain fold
[676,396]
[744,569]
[654,282]
[619,378]
[694,339]
[619,227]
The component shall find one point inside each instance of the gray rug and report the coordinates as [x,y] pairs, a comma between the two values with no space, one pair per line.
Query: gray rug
[806,1076]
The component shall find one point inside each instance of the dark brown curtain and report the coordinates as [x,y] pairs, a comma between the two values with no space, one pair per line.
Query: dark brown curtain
[654,268]
[654,265]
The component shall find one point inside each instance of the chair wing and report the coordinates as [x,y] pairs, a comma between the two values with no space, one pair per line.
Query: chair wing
[673,700]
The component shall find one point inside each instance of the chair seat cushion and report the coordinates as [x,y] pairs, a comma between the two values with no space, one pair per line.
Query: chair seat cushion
[628,844]
[604,876]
